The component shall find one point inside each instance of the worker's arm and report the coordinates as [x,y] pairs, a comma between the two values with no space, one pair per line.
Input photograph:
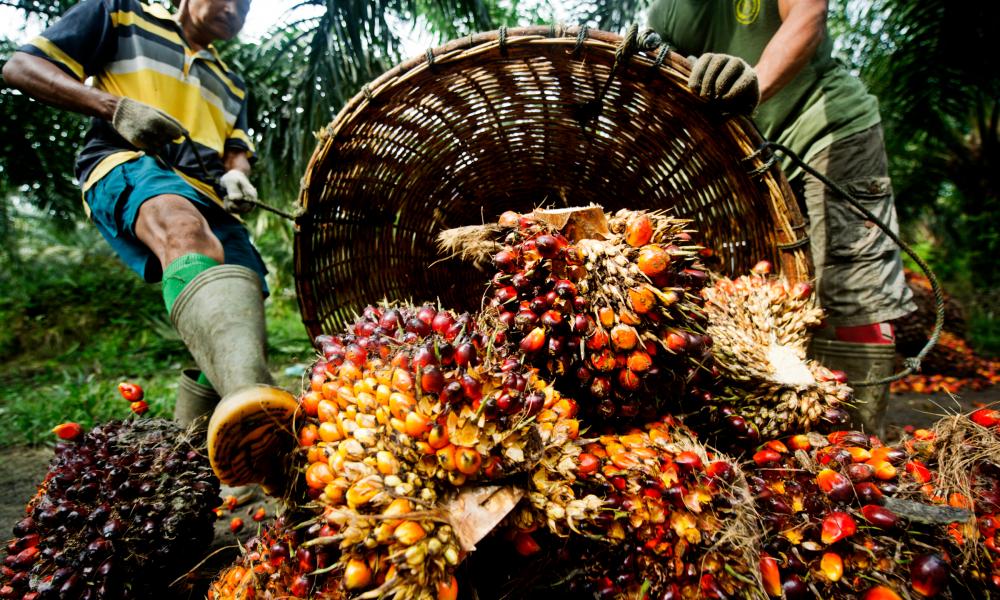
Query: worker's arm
[140,124]
[240,193]
[803,26]
[44,81]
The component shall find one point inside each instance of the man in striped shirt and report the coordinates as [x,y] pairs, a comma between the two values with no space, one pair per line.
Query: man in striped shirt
[164,164]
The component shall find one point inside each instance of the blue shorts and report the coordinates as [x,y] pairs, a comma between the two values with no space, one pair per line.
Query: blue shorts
[114,207]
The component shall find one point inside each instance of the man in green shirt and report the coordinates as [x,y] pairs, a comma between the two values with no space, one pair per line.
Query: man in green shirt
[801,97]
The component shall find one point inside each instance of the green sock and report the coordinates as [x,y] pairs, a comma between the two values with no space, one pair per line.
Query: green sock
[180,272]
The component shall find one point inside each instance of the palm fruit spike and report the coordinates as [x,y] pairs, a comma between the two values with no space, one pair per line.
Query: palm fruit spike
[400,415]
[760,329]
[606,308]
[123,510]
[853,518]
[662,514]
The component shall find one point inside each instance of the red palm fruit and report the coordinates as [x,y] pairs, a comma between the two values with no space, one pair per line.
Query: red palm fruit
[880,592]
[642,300]
[426,314]
[431,380]
[600,387]
[653,260]
[800,442]
[552,319]
[763,267]
[676,341]
[721,470]
[689,460]
[638,231]
[834,485]
[236,524]
[525,544]
[442,321]
[832,566]
[506,260]
[766,457]
[770,575]
[837,526]
[624,337]
[599,340]
[919,471]
[639,361]
[547,245]
[628,380]
[801,290]
[130,391]
[929,574]
[879,516]
[587,463]
[777,446]
[509,219]
[67,431]
[534,341]
[987,417]
[860,472]
[260,514]
[796,589]
[139,407]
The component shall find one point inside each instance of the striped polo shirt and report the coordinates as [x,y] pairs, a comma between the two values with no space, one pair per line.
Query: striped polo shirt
[137,50]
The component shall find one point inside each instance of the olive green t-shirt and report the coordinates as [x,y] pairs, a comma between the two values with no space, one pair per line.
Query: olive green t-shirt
[823,104]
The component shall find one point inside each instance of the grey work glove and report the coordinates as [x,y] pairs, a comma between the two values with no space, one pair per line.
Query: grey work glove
[238,191]
[728,82]
[143,126]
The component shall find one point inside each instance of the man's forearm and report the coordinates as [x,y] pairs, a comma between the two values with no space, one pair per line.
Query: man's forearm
[793,45]
[44,81]
[236,159]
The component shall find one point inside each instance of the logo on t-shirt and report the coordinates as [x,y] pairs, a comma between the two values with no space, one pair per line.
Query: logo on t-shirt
[746,11]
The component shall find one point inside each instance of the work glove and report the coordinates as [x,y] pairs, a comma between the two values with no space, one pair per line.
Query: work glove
[239,192]
[728,82]
[143,126]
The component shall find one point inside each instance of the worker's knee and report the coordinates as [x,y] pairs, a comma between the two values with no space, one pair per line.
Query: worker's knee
[171,227]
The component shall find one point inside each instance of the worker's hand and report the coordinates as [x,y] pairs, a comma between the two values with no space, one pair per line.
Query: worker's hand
[726,81]
[238,191]
[143,126]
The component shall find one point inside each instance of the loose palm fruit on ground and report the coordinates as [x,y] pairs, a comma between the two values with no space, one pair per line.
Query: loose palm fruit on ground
[764,385]
[610,312]
[124,509]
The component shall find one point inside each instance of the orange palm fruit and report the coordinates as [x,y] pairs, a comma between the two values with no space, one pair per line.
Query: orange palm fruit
[832,566]
[357,574]
[638,231]
[448,590]
[770,575]
[409,533]
[468,461]
[653,260]
[837,526]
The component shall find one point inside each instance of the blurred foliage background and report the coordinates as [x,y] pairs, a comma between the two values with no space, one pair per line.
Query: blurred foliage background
[75,321]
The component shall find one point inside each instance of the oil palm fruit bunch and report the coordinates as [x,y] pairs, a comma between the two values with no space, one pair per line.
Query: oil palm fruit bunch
[396,427]
[648,511]
[764,385]
[608,308]
[123,511]
[275,564]
[847,517]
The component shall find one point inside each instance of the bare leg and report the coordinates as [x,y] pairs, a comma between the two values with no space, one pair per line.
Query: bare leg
[171,227]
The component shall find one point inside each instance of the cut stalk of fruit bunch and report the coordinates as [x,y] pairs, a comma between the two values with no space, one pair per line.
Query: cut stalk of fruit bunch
[606,307]
[124,509]
[401,415]
[648,511]
[760,326]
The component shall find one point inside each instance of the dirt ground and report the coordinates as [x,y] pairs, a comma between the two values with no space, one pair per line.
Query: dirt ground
[23,468]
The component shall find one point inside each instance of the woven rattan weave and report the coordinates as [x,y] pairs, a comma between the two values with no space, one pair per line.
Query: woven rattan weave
[511,120]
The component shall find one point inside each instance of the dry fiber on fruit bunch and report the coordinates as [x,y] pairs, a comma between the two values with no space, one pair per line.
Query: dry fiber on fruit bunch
[509,121]
[765,385]
[848,517]
[124,510]
[951,365]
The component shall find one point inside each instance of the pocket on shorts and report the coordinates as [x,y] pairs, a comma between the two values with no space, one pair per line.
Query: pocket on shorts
[106,200]
[850,234]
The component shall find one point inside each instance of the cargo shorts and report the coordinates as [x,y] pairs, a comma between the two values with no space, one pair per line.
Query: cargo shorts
[859,272]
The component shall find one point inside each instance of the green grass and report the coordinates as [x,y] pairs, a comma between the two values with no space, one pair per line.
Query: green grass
[78,323]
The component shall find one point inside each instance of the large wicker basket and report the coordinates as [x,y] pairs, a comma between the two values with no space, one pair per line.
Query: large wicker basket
[512,120]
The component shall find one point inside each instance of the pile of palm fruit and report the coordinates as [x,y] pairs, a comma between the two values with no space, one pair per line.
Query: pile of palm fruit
[563,431]
[951,365]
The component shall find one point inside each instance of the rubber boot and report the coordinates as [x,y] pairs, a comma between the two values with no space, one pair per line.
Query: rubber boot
[194,406]
[861,362]
[220,317]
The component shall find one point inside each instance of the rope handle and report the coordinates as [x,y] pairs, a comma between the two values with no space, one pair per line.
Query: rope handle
[912,364]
